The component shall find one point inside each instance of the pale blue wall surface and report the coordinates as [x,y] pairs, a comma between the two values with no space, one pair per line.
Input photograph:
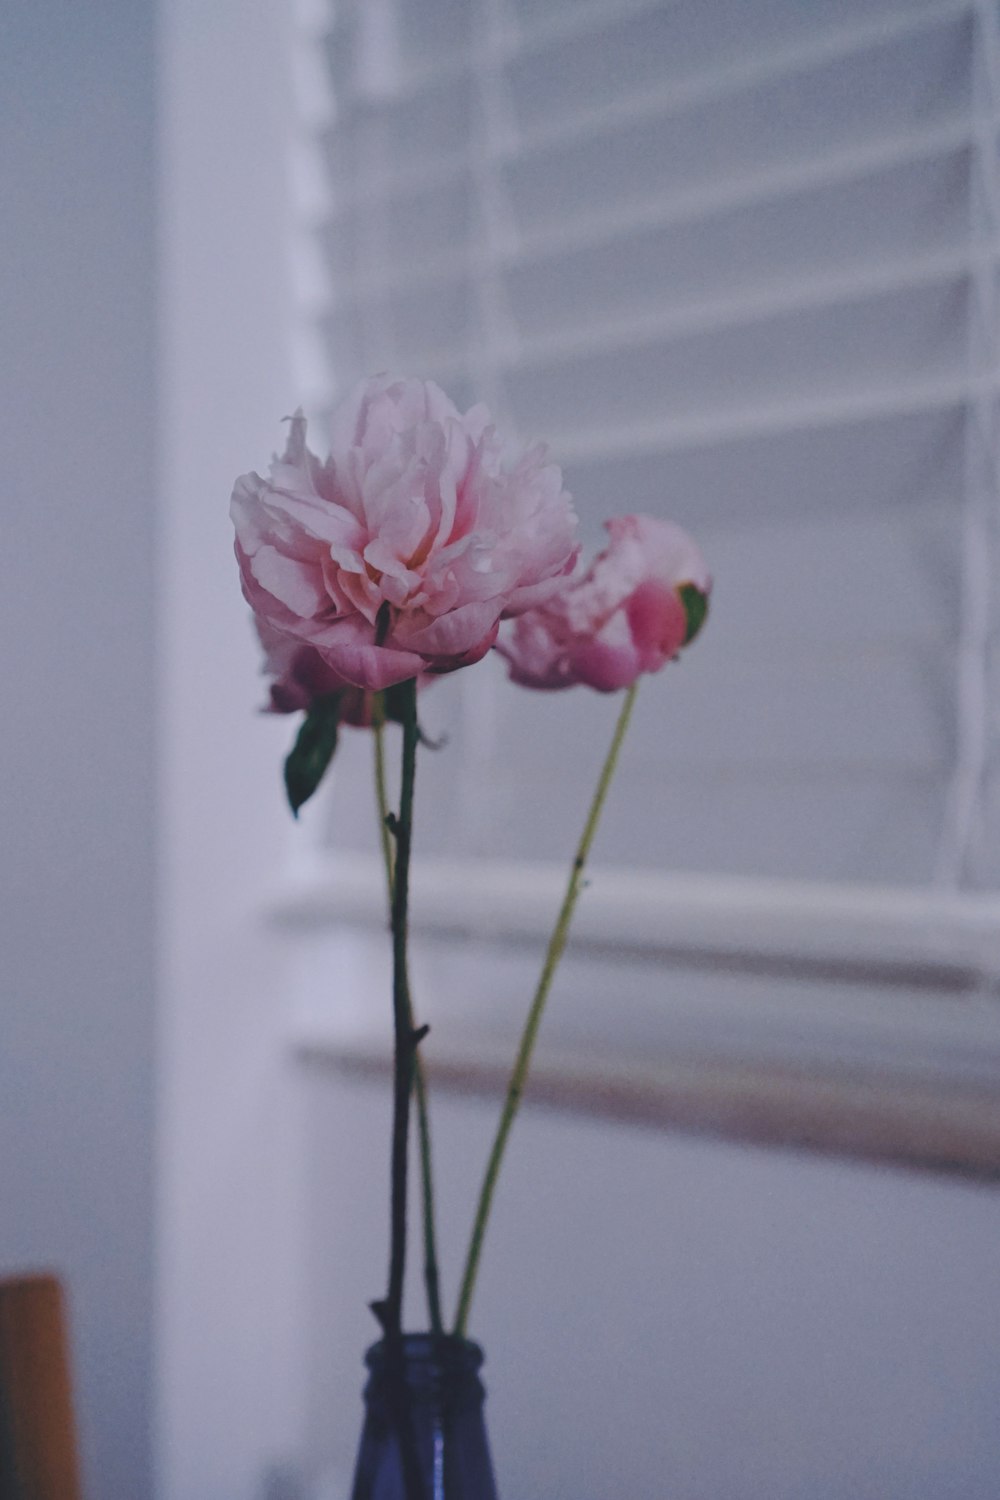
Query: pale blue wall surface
[76,621]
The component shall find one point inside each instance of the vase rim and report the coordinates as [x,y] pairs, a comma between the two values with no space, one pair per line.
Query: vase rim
[421,1350]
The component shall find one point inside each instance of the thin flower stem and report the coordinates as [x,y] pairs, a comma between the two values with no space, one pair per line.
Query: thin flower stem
[404,1054]
[557,943]
[404,1040]
[381,790]
[431,1280]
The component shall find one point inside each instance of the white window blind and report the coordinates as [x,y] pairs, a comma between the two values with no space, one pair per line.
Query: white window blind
[736,260]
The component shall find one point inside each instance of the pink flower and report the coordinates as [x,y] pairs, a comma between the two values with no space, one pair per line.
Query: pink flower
[639,602]
[404,550]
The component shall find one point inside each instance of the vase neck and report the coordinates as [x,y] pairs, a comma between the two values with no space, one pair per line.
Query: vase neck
[428,1423]
[432,1365]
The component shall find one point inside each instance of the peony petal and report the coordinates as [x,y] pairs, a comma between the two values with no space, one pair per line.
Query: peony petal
[468,658]
[295,584]
[370,666]
[316,517]
[668,551]
[604,666]
[453,634]
[535,657]
[658,623]
[531,595]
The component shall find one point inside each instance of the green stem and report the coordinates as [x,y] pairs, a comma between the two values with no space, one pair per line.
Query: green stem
[557,943]
[404,1048]
[431,1279]
[381,791]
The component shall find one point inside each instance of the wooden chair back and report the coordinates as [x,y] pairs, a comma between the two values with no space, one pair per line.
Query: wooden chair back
[38,1450]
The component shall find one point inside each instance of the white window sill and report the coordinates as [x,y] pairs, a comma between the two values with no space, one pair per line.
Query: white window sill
[855,1022]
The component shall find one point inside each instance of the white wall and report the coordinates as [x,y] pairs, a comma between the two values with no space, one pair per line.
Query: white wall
[77,407]
[672,1317]
[228,1347]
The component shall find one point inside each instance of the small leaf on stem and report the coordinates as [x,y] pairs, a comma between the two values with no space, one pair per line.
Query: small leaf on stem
[313,750]
[695,604]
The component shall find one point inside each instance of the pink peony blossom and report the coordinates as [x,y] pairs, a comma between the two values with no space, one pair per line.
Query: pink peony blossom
[633,609]
[404,550]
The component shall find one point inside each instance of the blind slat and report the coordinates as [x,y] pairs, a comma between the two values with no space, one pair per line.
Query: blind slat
[738,310]
[773,419]
[754,58]
[437,143]
[901,466]
[708,202]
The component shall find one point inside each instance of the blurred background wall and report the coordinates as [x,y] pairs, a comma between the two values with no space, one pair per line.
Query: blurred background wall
[672,1317]
[660,1314]
[77,754]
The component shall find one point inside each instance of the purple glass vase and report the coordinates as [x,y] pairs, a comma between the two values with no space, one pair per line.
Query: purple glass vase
[424,1437]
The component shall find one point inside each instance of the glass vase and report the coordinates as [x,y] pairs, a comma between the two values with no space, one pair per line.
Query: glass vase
[424,1437]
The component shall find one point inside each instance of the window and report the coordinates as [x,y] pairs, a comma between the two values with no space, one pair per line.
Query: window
[738,264]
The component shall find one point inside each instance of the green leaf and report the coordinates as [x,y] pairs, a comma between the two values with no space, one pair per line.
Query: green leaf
[695,609]
[313,750]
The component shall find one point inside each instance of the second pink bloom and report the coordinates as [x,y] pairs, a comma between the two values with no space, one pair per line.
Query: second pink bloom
[641,600]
